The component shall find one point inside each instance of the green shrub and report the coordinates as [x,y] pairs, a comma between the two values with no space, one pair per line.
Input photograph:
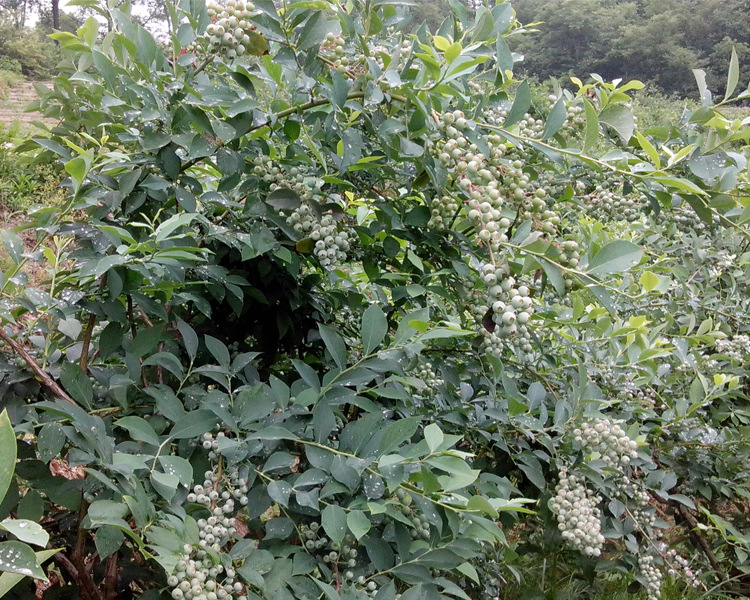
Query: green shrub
[24,182]
[8,80]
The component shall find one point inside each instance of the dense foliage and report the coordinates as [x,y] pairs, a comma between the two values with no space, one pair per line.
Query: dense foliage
[332,311]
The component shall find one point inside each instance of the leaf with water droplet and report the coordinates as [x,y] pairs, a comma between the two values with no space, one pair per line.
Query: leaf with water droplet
[8,452]
[17,557]
[373,486]
[26,531]
[8,580]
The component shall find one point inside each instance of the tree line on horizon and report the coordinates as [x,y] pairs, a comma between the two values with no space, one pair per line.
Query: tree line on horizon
[655,41]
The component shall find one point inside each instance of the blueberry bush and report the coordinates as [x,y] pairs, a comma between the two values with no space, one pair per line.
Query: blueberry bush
[333,309]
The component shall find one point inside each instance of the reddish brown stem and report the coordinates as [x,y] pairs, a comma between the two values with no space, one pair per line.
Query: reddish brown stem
[84,363]
[110,578]
[43,376]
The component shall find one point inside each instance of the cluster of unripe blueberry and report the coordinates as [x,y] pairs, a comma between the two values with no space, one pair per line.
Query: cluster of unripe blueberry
[651,575]
[609,205]
[309,187]
[678,566]
[443,208]
[687,220]
[199,579]
[196,577]
[431,379]
[316,542]
[735,348]
[331,243]
[608,440]
[333,50]
[578,515]
[229,32]
[511,307]
[421,524]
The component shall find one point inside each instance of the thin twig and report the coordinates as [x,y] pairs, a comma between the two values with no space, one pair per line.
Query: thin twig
[44,377]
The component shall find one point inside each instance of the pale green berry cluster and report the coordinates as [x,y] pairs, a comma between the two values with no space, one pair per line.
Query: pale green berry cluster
[333,49]
[608,440]
[421,524]
[679,566]
[511,305]
[606,204]
[735,348]
[229,33]
[331,242]
[578,516]
[431,379]
[651,576]
[196,577]
[199,579]
[443,209]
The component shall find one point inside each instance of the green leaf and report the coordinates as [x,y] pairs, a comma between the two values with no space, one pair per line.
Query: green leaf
[77,384]
[139,429]
[648,148]
[26,531]
[76,168]
[13,245]
[397,433]
[179,467]
[189,338]
[615,257]
[521,104]
[620,118]
[193,424]
[315,30]
[17,557]
[218,350]
[649,280]
[258,45]
[592,126]
[50,441]
[358,523]
[733,75]
[335,344]
[9,580]
[374,327]
[333,519]
[483,505]
[433,436]
[556,119]
[279,491]
[8,452]
[164,484]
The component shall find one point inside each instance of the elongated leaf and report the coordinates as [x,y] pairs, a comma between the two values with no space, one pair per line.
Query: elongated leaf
[333,519]
[26,531]
[648,148]
[555,120]
[620,118]
[733,75]
[13,244]
[374,327]
[335,345]
[19,558]
[77,384]
[9,580]
[592,126]
[521,104]
[8,452]
[615,257]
